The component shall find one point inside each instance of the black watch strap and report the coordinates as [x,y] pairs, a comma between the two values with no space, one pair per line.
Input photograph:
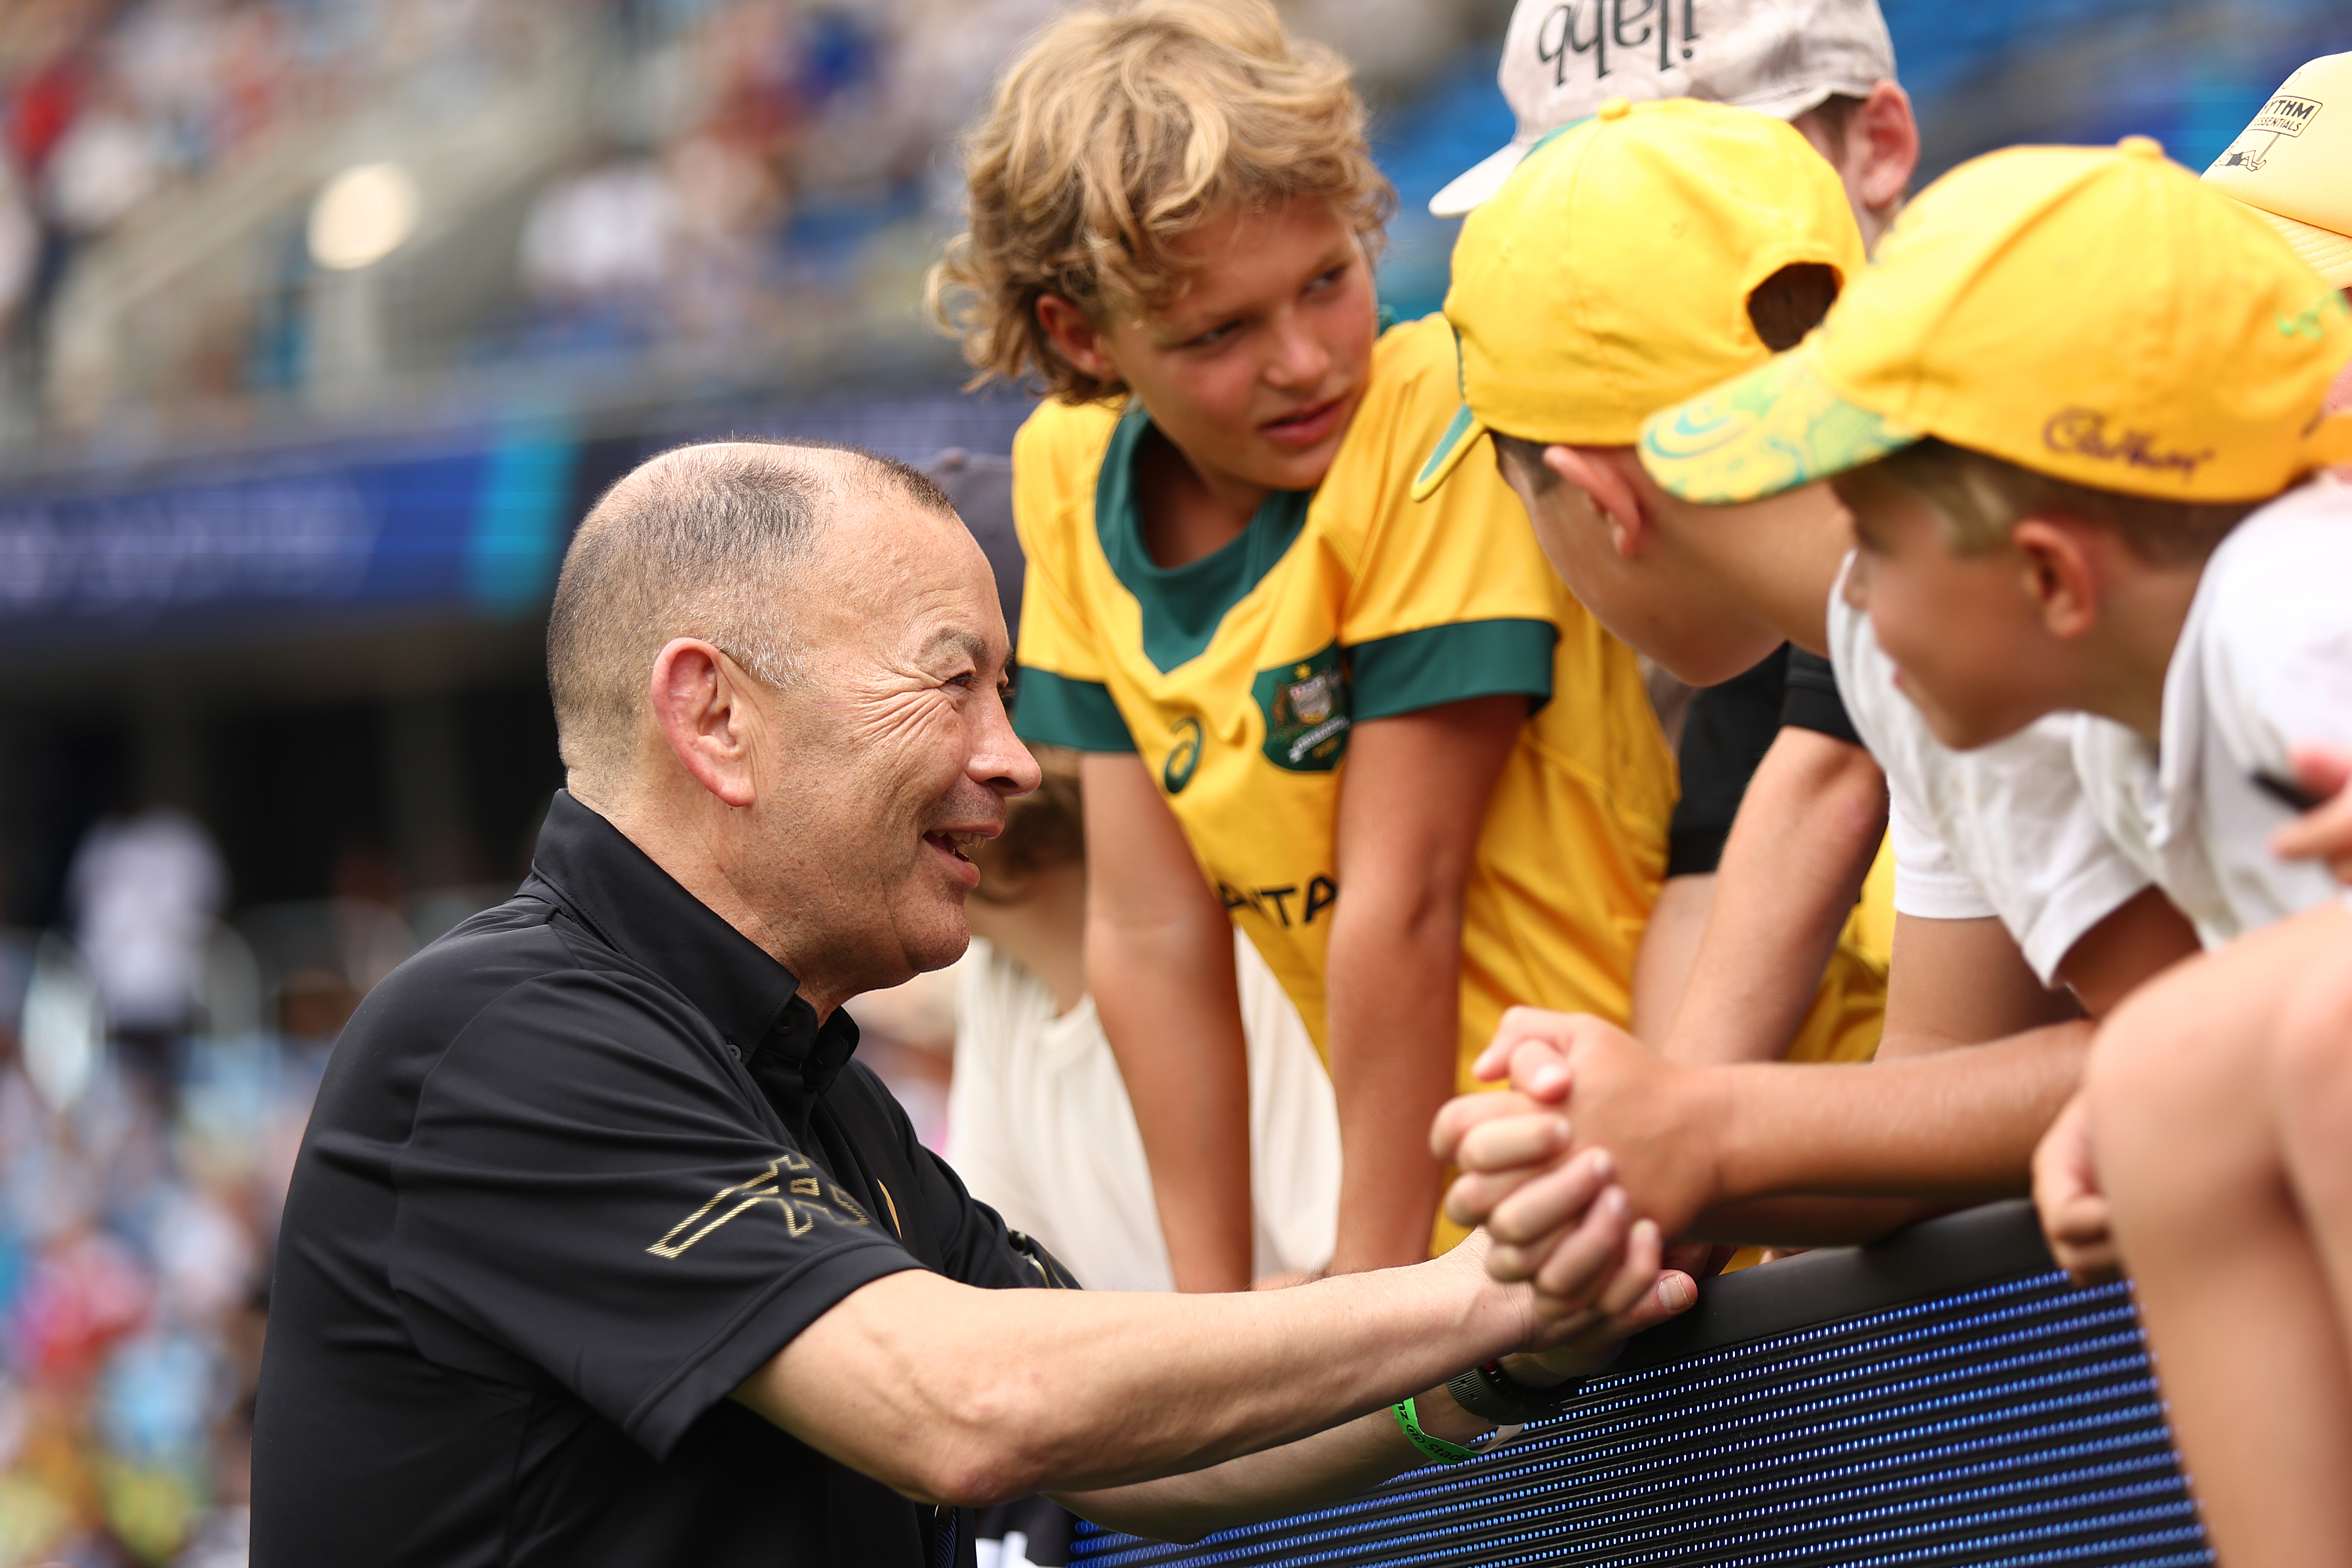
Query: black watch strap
[1493,1394]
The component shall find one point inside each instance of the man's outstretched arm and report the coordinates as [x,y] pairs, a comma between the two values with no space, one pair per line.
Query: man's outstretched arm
[951,1394]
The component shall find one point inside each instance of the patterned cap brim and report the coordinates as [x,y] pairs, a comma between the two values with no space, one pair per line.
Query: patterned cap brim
[1777,427]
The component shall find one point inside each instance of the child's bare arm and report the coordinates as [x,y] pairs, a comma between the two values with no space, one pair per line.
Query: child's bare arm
[1160,961]
[1803,840]
[1412,806]
[1939,1118]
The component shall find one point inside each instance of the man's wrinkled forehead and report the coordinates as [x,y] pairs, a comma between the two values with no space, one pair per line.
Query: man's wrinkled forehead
[902,573]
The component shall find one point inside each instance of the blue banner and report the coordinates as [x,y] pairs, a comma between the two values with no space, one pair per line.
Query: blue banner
[477,528]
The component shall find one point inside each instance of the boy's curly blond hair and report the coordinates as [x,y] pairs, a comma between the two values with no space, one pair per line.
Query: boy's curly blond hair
[1122,126]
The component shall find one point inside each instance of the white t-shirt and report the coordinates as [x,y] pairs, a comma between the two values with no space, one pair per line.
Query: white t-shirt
[1040,1127]
[2005,830]
[2263,664]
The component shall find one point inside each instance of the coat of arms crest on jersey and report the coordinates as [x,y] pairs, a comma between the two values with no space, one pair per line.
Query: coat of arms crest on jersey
[1307,710]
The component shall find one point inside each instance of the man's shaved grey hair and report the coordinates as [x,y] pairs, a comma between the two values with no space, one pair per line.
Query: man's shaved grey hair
[705,542]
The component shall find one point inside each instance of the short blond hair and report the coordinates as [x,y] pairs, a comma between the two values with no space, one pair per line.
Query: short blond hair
[1121,127]
[1979,500]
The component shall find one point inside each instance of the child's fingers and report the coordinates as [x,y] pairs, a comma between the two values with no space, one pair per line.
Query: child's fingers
[1556,1198]
[2084,1243]
[1508,1143]
[1457,1116]
[1471,1198]
[2324,833]
[2323,770]
[1532,1046]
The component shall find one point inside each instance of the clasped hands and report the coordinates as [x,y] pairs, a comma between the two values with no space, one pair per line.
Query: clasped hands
[1550,1164]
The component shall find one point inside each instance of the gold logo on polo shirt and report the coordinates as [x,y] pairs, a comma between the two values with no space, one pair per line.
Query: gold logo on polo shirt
[801,1214]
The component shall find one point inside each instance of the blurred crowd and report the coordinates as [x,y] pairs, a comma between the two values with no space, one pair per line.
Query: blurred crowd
[113,109]
[158,1057]
[757,181]
[731,155]
[775,143]
[156,1066]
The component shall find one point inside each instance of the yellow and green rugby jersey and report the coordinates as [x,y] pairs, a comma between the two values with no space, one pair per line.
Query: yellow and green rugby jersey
[1236,679]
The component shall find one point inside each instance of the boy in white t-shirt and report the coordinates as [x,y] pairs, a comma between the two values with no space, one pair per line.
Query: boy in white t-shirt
[2193,1143]
[2073,468]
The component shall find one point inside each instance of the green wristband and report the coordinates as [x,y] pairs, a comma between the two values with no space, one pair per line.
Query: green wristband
[1408,1422]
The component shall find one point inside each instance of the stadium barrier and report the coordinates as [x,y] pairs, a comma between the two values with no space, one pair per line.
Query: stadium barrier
[1943,1397]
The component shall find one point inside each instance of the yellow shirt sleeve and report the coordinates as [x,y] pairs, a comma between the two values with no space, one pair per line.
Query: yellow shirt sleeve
[1452,598]
[1060,697]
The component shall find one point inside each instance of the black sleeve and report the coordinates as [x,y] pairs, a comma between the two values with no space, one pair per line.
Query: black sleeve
[1813,702]
[587,1196]
[946,1227]
[1728,730]
[975,1245]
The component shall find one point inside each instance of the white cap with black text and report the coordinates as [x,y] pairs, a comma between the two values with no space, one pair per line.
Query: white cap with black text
[1563,59]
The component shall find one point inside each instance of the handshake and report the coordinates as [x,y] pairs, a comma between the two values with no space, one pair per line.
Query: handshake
[1555,1202]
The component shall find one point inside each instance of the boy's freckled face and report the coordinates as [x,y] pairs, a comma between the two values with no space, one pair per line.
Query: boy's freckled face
[1255,370]
[1968,650]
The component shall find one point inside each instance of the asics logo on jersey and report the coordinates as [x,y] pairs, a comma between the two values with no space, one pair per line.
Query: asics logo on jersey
[1178,770]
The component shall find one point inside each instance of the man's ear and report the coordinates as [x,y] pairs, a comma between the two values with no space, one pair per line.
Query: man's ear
[1075,338]
[2063,574]
[700,704]
[1882,148]
[1594,470]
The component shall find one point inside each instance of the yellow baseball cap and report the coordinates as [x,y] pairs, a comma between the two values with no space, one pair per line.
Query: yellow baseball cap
[2293,165]
[2093,314]
[1610,275]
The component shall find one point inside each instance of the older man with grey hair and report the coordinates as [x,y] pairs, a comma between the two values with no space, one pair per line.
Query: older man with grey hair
[602,1248]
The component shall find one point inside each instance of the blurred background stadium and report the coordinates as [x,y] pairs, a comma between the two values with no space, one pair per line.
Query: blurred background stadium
[321,323]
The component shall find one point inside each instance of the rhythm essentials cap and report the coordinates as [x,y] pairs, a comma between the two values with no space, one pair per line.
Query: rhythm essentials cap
[2096,315]
[2293,165]
[1563,59]
[1611,279]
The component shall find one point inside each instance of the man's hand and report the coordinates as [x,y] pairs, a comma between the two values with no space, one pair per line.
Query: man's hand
[2067,1195]
[2323,833]
[1639,1295]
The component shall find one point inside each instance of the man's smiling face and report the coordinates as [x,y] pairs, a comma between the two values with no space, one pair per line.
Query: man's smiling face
[894,752]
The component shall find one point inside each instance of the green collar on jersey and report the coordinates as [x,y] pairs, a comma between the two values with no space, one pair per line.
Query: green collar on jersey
[1184,605]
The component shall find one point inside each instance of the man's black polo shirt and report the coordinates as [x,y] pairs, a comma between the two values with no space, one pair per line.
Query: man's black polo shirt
[576,1171]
